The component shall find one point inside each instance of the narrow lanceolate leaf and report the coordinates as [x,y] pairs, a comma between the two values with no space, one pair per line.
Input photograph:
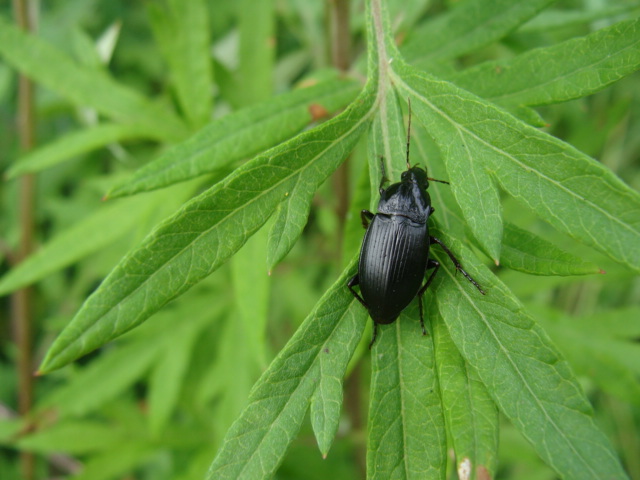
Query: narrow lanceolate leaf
[195,241]
[571,191]
[77,143]
[407,436]
[571,69]
[89,235]
[470,413]
[526,252]
[82,85]
[239,135]
[468,27]
[182,31]
[309,368]
[523,372]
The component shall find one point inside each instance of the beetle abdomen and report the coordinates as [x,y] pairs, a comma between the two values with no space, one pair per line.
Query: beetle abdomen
[392,263]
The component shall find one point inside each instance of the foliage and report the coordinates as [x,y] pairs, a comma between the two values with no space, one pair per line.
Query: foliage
[194,370]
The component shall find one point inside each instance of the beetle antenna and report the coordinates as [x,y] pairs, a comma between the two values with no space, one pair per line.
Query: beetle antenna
[436,180]
[409,132]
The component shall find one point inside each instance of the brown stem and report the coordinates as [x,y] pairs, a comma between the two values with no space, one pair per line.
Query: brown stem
[340,37]
[341,59]
[20,301]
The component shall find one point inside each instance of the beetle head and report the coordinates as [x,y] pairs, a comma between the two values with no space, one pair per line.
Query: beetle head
[417,175]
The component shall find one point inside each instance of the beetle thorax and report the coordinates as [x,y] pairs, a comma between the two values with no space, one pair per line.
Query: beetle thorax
[407,198]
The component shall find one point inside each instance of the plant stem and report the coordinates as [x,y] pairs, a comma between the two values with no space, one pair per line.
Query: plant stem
[341,59]
[20,301]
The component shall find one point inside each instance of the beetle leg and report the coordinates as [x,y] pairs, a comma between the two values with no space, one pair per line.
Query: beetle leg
[366,217]
[373,335]
[353,282]
[456,263]
[430,264]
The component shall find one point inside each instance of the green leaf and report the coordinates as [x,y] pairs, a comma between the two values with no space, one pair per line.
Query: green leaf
[571,191]
[91,234]
[387,142]
[525,252]
[182,31]
[256,22]
[309,368]
[571,69]
[102,381]
[117,462]
[84,86]
[196,240]
[292,213]
[406,436]
[169,372]
[360,197]
[10,428]
[522,371]
[251,296]
[470,413]
[118,368]
[448,213]
[251,285]
[471,184]
[467,27]
[619,323]
[75,437]
[611,363]
[553,18]
[76,143]
[236,136]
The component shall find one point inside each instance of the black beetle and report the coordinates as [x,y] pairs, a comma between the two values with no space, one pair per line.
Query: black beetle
[395,250]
